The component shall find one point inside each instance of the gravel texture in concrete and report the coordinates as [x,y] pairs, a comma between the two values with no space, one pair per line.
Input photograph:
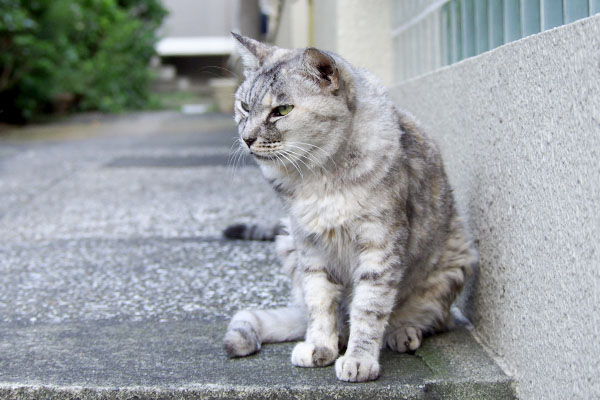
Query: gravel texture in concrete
[184,359]
[154,278]
[117,283]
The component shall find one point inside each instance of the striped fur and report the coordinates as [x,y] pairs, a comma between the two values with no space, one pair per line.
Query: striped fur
[373,243]
[253,231]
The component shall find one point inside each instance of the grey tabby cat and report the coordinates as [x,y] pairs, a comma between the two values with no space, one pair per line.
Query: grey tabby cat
[373,243]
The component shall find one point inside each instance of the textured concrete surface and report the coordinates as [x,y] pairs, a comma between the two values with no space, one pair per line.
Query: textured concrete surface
[520,131]
[116,282]
[154,278]
[184,360]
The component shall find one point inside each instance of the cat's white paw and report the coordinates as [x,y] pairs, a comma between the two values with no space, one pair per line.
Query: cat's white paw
[241,341]
[405,338]
[308,355]
[357,369]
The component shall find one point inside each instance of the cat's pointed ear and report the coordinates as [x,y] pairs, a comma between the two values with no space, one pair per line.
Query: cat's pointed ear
[321,67]
[253,53]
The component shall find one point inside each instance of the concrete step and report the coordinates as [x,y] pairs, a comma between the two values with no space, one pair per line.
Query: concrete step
[117,284]
[184,359]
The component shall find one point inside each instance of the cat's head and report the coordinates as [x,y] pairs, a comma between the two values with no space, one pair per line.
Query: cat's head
[295,106]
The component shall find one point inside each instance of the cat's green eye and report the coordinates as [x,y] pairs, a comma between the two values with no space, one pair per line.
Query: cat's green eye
[245,107]
[282,110]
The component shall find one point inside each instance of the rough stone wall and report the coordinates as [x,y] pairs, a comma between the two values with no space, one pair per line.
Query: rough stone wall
[519,128]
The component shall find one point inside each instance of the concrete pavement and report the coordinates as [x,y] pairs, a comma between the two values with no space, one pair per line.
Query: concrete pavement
[116,281]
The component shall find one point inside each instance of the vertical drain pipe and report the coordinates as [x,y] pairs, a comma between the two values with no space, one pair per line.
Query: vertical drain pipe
[311,25]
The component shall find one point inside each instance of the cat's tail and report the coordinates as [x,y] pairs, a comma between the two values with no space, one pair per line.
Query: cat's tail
[253,231]
[249,329]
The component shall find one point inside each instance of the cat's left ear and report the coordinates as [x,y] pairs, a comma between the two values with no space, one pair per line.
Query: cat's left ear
[322,68]
[253,53]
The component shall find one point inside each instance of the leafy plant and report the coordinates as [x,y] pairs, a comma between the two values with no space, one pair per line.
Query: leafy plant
[92,54]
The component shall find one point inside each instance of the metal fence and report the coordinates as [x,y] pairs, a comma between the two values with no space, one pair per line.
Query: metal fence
[428,34]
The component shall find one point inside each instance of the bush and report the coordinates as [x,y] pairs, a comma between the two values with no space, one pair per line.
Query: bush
[84,54]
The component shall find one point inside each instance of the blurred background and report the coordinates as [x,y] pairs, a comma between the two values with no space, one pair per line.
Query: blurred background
[64,56]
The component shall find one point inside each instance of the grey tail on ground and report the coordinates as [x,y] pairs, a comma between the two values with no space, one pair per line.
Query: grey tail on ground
[253,231]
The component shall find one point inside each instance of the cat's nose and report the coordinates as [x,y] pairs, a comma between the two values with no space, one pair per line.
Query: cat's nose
[249,141]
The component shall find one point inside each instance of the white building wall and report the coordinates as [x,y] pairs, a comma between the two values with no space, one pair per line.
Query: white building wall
[358,30]
[293,29]
[364,32]
[192,18]
[325,21]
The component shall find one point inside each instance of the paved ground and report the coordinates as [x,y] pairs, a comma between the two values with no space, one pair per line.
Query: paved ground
[116,281]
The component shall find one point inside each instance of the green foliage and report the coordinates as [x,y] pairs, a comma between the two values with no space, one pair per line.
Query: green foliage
[93,53]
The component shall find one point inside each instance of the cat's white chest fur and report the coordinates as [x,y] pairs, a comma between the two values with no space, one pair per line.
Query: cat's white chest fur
[323,212]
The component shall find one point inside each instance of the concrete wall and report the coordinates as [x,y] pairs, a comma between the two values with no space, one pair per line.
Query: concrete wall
[519,128]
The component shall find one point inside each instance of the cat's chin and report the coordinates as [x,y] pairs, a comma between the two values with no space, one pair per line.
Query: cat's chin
[262,158]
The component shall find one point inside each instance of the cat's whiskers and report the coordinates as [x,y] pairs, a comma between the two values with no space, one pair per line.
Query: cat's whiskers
[279,160]
[241,154]
[232,152]
[318,148]
[293,163]
[234,158]
[309,157]
[298,157]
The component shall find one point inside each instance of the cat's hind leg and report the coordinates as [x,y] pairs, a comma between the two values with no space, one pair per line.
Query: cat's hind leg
[424,311]
[249,329]
[427,309]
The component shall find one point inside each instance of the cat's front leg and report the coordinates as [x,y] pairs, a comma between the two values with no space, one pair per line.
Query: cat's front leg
[321,296]
[375,288]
